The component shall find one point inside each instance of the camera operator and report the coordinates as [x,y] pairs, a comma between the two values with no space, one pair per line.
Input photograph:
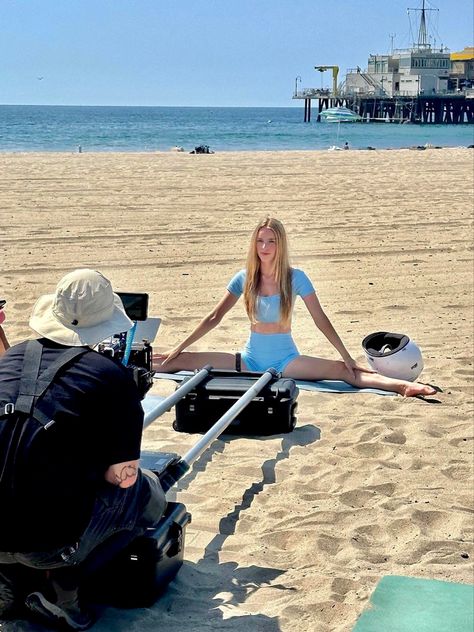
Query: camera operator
[3,339]
[79,495]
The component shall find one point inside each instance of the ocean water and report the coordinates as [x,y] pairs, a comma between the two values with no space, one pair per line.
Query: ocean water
[146,129]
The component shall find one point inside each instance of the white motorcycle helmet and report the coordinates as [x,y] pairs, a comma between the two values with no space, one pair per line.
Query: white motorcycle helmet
[393,355]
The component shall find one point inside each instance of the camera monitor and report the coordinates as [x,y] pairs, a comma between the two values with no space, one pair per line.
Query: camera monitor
[135,304]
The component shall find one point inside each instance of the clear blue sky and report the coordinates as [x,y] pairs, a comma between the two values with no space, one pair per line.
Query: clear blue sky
[199,52]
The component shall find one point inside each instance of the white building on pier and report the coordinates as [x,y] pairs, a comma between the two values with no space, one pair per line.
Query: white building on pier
[405,72]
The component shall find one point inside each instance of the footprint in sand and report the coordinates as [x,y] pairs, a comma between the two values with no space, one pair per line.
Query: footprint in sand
[419,464]
[404,529]
[394,504]
[388,404]
[370,535]
[373,450]
[341,585]
[457,472]
[396,437]
[433,552]
[372,433]
[436,522]
[435,431]
[330,544]
[356,498]
[444,553]
[384,489]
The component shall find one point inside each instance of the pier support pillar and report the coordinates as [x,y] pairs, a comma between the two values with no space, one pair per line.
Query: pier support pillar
[307,110]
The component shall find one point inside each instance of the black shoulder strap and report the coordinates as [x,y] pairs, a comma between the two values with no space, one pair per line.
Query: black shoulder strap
[32,384]
[46,378]
[29,376]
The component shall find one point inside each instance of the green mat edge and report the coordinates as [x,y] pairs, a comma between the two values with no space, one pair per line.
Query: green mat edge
[376,617]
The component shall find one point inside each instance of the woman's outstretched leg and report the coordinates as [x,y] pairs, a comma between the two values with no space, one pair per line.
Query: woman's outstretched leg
[190,361]
[308,368]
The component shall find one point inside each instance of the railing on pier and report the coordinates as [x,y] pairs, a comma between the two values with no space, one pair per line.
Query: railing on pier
[313,93]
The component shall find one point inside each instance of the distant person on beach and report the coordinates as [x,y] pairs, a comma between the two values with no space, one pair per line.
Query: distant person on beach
[71,491]
[4,344]
[346,145]
[270,286]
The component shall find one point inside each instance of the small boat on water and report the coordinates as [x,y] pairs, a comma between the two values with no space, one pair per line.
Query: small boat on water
[339,115]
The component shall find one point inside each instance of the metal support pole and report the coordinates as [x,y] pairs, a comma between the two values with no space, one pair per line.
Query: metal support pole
[226,419]
[179,468]
[184,388]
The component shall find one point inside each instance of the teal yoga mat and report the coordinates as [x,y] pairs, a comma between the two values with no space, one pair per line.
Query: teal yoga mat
[323,386]
[410,604]
[336,386]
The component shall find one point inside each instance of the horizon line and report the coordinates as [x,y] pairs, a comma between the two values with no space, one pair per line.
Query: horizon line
[102,105]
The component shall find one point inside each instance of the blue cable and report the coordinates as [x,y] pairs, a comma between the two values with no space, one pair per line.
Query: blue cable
[128,346]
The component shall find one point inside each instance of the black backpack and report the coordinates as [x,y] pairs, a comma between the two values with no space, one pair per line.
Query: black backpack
[20,424]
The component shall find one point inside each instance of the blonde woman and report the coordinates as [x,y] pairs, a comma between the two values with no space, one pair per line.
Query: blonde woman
[270,286]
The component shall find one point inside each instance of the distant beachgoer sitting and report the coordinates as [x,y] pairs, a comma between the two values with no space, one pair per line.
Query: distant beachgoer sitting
[270,286]
[201,149]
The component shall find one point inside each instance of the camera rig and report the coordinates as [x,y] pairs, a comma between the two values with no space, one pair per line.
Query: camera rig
[126,347]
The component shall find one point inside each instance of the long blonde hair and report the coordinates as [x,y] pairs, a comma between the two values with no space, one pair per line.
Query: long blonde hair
[282,271]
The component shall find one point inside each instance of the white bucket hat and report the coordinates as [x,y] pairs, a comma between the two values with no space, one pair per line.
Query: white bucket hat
[83,311]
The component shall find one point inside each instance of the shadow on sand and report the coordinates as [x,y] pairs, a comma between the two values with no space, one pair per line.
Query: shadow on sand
[208,591]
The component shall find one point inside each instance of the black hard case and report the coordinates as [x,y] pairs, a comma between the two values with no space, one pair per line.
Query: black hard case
[137,576]
[272,411]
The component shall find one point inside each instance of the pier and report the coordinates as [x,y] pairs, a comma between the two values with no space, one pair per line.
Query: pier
[438,109]
[421,84]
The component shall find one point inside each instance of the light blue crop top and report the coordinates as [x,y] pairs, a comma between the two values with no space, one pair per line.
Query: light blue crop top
[268,307]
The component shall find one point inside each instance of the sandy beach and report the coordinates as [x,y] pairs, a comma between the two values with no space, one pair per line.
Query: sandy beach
[290,533]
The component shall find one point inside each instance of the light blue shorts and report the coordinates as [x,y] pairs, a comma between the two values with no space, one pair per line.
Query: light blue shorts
[265,351]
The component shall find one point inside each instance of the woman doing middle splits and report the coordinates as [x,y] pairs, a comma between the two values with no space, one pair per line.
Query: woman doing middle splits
[270,286]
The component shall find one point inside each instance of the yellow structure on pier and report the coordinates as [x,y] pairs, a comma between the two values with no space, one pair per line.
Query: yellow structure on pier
[465,55]
[335,72]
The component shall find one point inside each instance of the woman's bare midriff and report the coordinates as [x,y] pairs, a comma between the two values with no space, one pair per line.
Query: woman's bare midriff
[269,328]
